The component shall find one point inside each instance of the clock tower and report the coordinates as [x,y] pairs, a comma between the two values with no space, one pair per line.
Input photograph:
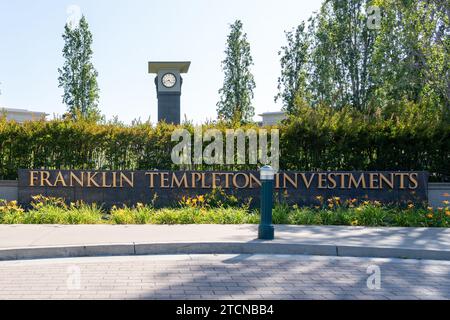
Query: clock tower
[168,83]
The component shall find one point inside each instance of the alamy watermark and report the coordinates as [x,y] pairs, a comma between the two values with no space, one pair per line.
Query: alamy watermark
[241,147]
[74,278]
[374,280]
[74,12]
[373,18]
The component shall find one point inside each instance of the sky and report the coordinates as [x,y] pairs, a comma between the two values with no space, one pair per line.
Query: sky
[128,34]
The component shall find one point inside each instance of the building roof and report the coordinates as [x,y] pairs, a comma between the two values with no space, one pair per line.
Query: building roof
[22,111]
[22,115]
[272,113]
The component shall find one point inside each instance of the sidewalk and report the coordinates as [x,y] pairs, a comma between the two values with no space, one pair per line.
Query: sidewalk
[55,241]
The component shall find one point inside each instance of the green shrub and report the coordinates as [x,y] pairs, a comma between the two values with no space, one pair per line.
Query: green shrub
[139,215]
[11,213]
[413,138]
[370,214]
[281,214]
[55,215]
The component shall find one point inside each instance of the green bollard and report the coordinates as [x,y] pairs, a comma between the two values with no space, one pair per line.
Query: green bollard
[266,230]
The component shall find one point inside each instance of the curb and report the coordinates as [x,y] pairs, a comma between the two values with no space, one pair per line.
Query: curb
[255,247]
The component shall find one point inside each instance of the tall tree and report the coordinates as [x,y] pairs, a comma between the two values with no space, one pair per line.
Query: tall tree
[412,57]
[237,92]
[352,61]
[294,68]
[342,54]
[78,76]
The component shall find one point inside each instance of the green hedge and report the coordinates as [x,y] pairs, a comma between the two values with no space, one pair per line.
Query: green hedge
[313,139]
[410,137]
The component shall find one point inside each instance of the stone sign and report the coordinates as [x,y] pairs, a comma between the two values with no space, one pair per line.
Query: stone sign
[168,187]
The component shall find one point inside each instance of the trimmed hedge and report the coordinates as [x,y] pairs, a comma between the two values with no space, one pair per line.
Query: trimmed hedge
[313,139]
[411,138]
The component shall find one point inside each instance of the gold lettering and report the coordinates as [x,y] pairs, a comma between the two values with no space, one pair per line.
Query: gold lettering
[373,179]
[195,177]
[235,181]
[286,178]
[413,178]
[204,186]
[151,178]
[80,181]
[277,181]
[45,175]
[402,179]
[164,180]
[123,177]
[332,180]
[322,180]
[91,180]
[104,185]
[60,179]
[390,182]
[227,179]
[343,175]
[306,181]
[254,179]
[215,175]
[114,179]
[178,183]
[356,184]
[33,178]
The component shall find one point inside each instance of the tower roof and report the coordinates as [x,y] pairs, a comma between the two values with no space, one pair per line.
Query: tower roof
[181,66]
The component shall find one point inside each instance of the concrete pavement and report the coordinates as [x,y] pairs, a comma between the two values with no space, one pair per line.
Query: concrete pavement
[208,277]
[56,241]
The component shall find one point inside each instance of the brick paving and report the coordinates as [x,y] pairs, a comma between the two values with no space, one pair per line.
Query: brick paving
[217,277]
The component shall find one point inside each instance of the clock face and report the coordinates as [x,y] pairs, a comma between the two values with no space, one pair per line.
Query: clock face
[169,80]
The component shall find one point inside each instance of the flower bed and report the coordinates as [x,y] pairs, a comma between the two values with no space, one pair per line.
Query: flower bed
[200,211]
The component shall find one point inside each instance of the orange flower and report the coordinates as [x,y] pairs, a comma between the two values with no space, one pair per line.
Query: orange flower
[447,213]
[430,216]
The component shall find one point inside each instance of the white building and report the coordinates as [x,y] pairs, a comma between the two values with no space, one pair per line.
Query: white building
[272,118]
[22,115]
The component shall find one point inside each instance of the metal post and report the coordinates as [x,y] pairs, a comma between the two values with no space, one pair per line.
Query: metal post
[266,229]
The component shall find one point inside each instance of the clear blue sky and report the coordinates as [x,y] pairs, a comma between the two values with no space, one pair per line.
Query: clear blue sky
[128,34]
